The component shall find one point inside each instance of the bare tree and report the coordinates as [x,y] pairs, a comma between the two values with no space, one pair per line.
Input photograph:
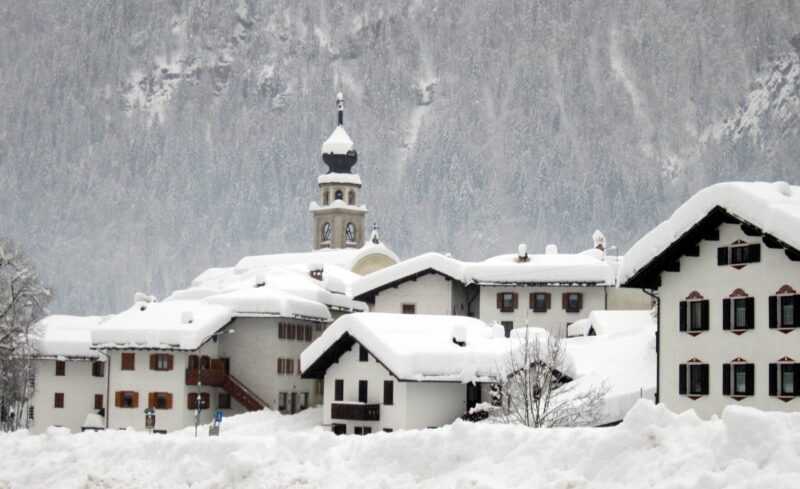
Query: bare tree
[23,300]
[536,392]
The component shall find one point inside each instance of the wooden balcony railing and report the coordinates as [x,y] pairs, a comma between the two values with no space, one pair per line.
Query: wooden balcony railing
[210,377]
[356,411]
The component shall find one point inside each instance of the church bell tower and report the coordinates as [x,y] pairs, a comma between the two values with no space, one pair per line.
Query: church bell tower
[340,217]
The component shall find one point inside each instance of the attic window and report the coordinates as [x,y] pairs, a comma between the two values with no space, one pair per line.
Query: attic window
[739,253]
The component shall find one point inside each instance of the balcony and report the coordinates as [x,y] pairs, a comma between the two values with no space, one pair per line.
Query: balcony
[356,411]
[211,377]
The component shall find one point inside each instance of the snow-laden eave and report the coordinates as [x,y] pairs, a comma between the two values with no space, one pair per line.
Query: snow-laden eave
[278,315]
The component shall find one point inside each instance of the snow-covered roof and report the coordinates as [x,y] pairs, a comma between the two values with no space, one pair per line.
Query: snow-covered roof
[584,268]
[414,347]
[346,178]
[345,257]
[772,207]
[264,301]
[174,325]
[66,336]
[622,355]
[338,142]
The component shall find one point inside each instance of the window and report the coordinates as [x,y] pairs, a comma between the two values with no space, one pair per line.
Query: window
[59,400]
[339,195]
[507,301]
[739,254]
[362,430]
[738,314]
[350,233]
[738,379]
[507,326]
[309,333]
[327,231]
[224,400]
[194,362]
[784,379]
[694,315]
[160,400]
[98,369]
[362,391]
[693,379]
[572,301]
[540,302]
[409,308]
[160,361]
[363,354]
[98,401]
[128,361]
[388,392]
[784,311]
[31,412]
[338,390]
[285,366]
[387,430]
[126,399]
[61,367]
[282,401]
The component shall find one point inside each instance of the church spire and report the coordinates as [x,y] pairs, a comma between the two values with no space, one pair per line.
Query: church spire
[338,151]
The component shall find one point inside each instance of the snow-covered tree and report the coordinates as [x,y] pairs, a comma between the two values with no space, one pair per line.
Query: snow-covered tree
[536,391]
[23,300]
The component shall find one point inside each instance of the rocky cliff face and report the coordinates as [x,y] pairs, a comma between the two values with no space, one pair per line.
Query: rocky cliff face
[142,143]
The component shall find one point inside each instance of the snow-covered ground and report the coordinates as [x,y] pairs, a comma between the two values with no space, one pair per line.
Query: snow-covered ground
[651,448]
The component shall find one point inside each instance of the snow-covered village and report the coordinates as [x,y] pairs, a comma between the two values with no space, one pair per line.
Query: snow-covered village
[243,253]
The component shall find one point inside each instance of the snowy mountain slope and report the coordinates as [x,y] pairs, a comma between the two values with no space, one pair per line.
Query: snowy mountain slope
[745,448]
[140,144]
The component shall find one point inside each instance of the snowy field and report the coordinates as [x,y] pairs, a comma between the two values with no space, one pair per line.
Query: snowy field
[652,448]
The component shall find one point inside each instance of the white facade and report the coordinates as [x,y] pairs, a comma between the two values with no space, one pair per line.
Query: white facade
[254,350]
[78,387]
[429,294]
[415,404]
[759,346]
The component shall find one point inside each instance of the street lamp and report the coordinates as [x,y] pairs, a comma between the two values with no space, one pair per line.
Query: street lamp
[198,408]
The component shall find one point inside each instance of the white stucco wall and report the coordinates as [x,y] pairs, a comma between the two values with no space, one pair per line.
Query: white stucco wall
[79,388]
[760,346]
[431,294]
[254,350]
[554,320]
[434,404]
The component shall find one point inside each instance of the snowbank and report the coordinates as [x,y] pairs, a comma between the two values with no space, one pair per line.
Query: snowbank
[774,207]
[653,448]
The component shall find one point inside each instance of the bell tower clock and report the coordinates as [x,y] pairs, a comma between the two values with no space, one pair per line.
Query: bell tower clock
[340,216]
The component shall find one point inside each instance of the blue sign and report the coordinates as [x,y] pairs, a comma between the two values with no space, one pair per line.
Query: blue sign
[218,417]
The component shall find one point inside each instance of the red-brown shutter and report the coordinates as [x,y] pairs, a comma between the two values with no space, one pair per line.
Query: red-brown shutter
[515,299]
[170,362]
[280,365]
[191,400]
[128,361]
[169,400]
[547,300]
[580,301]
[118,399]
[135,399]
[151,400]
[500,300]
[154,361]
[564,300]
[206,398]
[59,400]
[194,362]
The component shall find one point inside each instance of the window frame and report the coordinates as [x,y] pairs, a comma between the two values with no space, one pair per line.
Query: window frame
[507,301]
[534,302]
[408,308]
[61,368]
[98,369]
[338,390]
[573,308]
[127,361]
[58,400]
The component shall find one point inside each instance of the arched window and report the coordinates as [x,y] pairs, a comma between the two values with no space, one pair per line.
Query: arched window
[326,232]
[350,233]
[326,198]
[351,197]
[339,195]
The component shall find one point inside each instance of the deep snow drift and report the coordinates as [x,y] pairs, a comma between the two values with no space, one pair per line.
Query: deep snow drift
[652,448]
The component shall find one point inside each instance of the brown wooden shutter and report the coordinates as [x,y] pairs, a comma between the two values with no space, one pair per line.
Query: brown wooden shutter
[580,301]
[515,300]
[564,299]
[135,399]
[168,395]
[98,401]
[170,362]
[206,398]
[280,365]
[547,300]
[500,300]
[151,400]
[59,400]
[154,361]
[118,399]
[191,401]
[194,362]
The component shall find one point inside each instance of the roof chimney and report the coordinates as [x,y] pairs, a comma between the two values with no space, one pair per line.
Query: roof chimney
[522,252]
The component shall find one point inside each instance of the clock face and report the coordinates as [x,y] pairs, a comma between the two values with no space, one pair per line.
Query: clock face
[350,232]
[326,231]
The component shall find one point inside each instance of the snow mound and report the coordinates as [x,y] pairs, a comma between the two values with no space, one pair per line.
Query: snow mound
[651,448]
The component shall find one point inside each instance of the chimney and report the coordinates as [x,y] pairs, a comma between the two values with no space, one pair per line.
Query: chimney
[522,252]
[315,271]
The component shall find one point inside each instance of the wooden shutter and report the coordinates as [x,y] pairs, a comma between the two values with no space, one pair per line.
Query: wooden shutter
[773,379]
[61,367]
[514,300]
[796,300]
[726,379]
[388,392]
[726,314]
[154,361]
[704,376]
[280,366]
[682,379]
[135,399]
[169,400]
[59,400]
[750,379]
[194,362]
[500,300]
[580,301]
[796,378]
[704,315]
[118,399]
[682,315]
[191,401]
[750,312]
[338,394]
[722,255]
[98,401]
[773,311]
[362,390]
[754,253]
[564,300]
[170,361]
[547,301]
[151,400]
[206,398]
[128,361]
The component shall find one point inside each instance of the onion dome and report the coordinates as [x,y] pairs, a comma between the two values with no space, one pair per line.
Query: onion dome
[338,151]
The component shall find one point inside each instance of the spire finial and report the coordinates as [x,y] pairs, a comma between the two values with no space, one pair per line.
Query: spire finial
[375,237]
[340,107]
